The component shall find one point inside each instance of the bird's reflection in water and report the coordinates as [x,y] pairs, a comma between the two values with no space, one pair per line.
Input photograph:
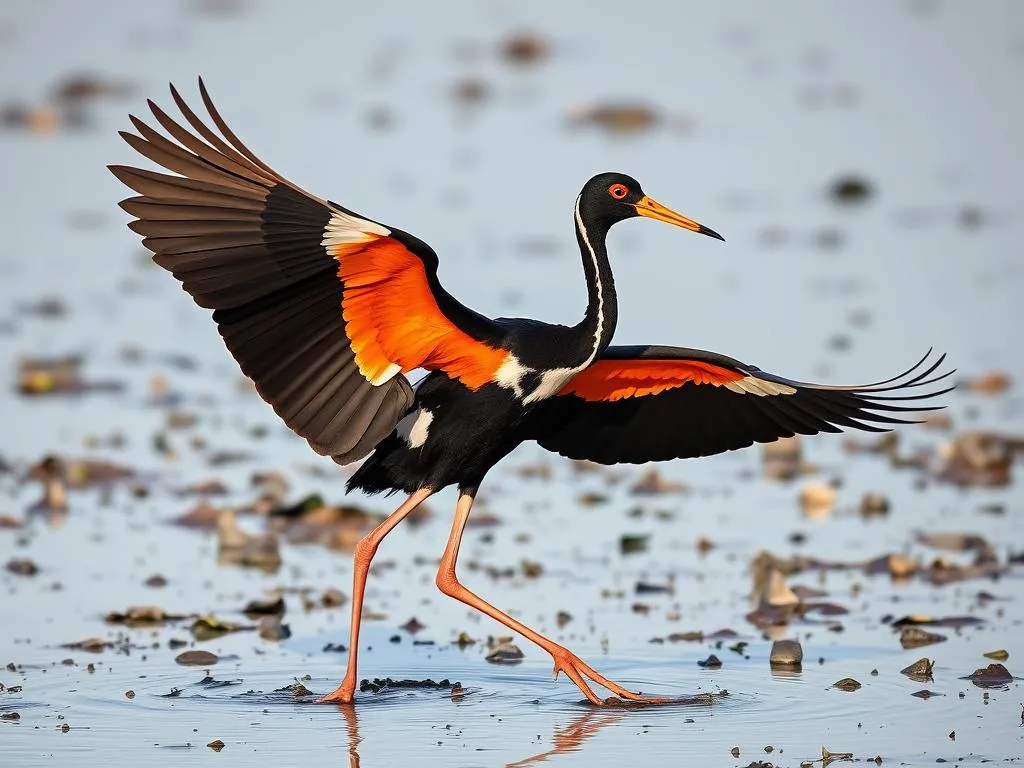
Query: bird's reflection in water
[352,727]
[571,737]
[567,739]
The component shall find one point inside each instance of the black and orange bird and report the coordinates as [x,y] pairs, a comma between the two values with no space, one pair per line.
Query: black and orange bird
[328,311]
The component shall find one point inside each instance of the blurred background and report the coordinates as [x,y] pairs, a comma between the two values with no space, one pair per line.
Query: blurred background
[863,162]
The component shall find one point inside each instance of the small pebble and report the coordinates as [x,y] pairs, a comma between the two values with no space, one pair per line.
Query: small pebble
[196,658]
[786,653]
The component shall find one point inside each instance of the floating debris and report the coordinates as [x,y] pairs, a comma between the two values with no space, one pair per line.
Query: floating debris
[216,745]
[271,628]
[647,588]
[926,694]
[272,607]
[208,627]
[505,652]
[850,190]
[774,591]
[203,516]
[332,598]
[782,459]
[143,616]
[379,684]
[817,500]
[711,662]
[413,625]
[236,547]
[943,621]
[827,756]
[80,473]
[914,637]
[524,48]
[531,569]
[91,644]
[990,383]
[616,117]
[86,86]
[787,654]
[897,565]
[874,505]
[651,483]
[847,684]
[991,676]
[999,655]
[57,375]
[22,566]
[631,543]
[920,671]
[470,91]
[197,658]
[979,458]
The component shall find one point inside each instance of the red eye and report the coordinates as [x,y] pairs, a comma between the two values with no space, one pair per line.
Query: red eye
[618,191]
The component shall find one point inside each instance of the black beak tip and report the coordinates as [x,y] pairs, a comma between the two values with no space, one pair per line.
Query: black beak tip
[710,233]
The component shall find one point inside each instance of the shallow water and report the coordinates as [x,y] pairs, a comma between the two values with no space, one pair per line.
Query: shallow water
[777,103]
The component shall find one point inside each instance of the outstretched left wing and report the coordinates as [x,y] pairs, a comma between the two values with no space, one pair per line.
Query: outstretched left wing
[649,403]
[323,309]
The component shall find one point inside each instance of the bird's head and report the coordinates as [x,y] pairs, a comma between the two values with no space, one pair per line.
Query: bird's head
[609,198]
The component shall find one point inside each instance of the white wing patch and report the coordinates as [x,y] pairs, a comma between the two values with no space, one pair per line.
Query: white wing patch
[751,385]
[551,381]
[415,427]
[344,228]
[510,374]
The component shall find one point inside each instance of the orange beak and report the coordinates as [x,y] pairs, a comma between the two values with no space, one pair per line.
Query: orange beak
[652,209]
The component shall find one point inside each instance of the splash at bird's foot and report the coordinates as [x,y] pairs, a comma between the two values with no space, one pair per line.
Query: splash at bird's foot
[576,669]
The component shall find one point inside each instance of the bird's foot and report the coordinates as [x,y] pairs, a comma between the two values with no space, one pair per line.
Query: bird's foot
[576,670]
[343,694]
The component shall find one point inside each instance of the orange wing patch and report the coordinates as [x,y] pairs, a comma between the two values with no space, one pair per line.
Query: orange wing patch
[607,380]
[394,322]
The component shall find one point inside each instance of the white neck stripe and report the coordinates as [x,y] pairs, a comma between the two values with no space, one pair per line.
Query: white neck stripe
[597,281]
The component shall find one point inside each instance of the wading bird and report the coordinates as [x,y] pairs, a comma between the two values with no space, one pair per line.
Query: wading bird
[327,311]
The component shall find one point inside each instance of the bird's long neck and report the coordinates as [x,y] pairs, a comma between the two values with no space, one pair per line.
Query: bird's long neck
[594,332]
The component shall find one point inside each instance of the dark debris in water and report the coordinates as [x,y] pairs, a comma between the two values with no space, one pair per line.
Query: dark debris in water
[296,689]
[196,658]
[914,637]
[847,684]
[851,189]
[504,652]
[920,671]
[379,685]
[994,675]
[143,616]
[212,683]
[22,566]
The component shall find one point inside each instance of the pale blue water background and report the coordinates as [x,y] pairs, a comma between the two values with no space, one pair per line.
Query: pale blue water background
[921,98]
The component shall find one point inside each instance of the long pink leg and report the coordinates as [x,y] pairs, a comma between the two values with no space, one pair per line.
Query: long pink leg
[565,661]
[365,550]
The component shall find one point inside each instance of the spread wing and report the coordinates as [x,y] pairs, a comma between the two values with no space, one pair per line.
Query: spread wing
[639,404]
[323,309]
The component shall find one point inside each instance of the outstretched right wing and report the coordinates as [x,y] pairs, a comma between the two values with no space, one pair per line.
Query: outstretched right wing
[323,309]
[640,404]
